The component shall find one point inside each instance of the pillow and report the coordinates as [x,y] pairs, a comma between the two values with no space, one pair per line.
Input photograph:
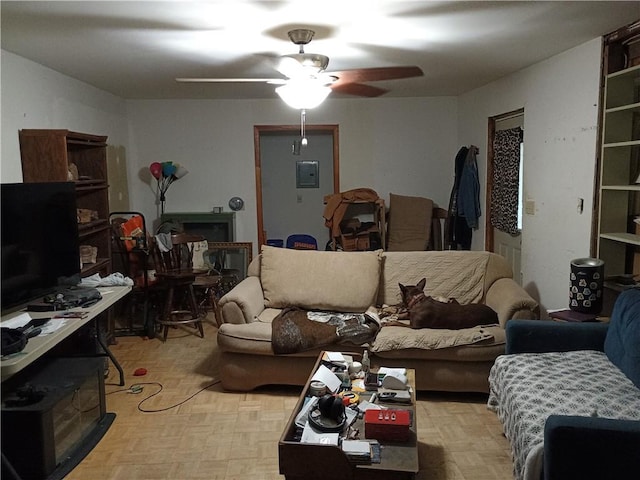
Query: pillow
[322,280]
[409,223]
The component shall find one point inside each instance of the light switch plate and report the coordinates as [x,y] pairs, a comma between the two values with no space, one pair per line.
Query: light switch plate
[530,207]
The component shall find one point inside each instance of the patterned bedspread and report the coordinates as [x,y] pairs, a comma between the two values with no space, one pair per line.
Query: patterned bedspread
[526,388]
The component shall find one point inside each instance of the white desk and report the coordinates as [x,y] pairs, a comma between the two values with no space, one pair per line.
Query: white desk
[38,346]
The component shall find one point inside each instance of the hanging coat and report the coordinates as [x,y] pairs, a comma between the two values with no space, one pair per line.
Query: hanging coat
[458,234]
[469,190]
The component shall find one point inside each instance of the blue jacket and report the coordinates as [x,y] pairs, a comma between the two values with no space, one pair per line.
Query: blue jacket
[469,190]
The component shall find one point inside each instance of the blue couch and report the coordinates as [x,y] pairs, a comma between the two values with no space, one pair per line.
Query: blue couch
[589,447]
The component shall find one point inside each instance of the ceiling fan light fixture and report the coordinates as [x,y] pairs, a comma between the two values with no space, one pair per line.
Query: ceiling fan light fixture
[310,61]
[303,94]
[301,36]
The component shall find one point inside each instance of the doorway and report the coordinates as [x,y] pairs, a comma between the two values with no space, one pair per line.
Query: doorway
[286,201]
[505,166]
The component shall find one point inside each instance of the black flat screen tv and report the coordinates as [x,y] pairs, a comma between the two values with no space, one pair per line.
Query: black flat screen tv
[40,246]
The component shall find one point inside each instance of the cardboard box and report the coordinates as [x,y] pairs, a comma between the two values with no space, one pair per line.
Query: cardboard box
[391,425]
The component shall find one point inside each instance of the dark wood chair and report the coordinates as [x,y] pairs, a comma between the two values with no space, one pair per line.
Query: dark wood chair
[439,224]
[174,269]
[130,256]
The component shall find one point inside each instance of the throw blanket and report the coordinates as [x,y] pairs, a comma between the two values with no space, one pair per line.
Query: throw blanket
[400,338]
[458,276]
[296,330]
[526,388]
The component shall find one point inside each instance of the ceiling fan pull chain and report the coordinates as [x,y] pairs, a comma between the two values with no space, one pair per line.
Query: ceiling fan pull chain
[303,121]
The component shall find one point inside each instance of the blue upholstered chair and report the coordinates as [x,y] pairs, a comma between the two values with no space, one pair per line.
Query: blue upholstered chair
[588,448]
[301,241]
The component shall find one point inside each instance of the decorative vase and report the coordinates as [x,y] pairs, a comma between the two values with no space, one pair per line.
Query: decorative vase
[585,291]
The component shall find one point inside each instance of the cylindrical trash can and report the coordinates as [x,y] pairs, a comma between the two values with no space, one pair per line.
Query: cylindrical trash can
[585,291]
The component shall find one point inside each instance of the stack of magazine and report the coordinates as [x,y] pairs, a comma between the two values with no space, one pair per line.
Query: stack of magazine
[361,451]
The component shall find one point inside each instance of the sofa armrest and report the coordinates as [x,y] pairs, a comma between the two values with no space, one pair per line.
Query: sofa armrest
[538,336]
[509,300]
[588,448]
[243,303]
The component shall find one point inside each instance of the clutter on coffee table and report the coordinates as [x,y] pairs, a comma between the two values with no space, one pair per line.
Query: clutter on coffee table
[349,423]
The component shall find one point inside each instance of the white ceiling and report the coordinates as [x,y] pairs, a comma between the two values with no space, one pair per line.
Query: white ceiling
[135,49]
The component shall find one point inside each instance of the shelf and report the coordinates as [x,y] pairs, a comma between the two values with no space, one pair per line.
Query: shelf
[630,143]
[630,72]
[97,226]
[624,188]
[628,238]
[47,155]
[89,185]
[91,268]
[633,107]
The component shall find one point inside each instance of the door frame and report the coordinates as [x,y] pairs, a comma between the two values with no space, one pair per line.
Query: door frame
[258,131]
[491,131]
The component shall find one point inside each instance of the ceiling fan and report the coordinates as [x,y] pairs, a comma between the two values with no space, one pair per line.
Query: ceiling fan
[307,71]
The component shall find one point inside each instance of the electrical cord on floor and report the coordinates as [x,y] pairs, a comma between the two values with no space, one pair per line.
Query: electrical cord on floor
[137,388]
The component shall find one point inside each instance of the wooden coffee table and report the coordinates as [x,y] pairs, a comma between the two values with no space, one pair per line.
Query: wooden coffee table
[300,461]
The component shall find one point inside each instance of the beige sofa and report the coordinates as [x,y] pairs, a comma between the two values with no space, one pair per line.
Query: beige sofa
[351,282]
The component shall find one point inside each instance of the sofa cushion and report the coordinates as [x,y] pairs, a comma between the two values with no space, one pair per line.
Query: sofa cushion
[449,274]
[622,344]
[310,279]
[400,338]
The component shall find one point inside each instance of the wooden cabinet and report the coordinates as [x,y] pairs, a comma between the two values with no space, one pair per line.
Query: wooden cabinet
[616,235]
[62,155]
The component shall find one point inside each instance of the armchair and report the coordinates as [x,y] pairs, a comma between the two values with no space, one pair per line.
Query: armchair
[577,446]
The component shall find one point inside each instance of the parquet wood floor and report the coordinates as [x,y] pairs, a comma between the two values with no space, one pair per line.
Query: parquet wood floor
[221,435]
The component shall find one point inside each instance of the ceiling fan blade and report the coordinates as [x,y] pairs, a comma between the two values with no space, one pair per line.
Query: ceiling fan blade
[230,80]
[377,74]
[358,89]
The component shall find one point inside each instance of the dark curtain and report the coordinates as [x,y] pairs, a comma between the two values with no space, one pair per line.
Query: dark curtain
[506,167]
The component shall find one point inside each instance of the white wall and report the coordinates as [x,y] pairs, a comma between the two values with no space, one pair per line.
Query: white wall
[289,210]
[560,101]
[34,96]
[401,145]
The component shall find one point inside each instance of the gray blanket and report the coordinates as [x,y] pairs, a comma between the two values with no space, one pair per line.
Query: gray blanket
[526,388]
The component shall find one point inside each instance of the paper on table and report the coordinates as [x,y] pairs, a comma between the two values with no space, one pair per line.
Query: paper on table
[21,320]
[389,370]
[335,357]
[326,376]
[17,322]
[53,325]
[364,405]
[309,435]
[301,418]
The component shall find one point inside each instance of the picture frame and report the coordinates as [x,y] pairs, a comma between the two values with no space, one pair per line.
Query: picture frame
[231,259]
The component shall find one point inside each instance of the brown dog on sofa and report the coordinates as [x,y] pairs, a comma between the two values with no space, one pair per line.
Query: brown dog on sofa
[426,312]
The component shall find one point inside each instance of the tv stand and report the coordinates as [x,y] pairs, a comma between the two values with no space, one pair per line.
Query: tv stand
[38,346]
[47,435]
[64,298]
